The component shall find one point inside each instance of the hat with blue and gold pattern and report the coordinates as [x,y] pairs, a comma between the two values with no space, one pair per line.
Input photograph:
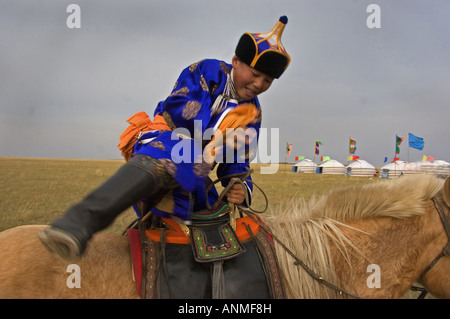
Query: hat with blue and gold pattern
[264,51]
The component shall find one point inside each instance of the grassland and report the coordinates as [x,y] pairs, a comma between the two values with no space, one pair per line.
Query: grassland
[36,191]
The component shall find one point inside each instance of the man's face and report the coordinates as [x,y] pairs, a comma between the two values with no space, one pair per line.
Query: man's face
[249,82]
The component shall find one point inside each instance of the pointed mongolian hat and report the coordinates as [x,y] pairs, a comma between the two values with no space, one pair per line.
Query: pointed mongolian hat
[264,51]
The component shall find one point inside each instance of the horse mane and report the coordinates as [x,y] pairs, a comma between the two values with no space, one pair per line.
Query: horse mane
[308,227]
[399,198]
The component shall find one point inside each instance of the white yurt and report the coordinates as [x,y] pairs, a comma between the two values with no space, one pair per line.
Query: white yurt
[305,166]
[442,167]
[399,168]
[437,167]
[361,167]
[411,168]
[332,167]
[394,169]
[426,167]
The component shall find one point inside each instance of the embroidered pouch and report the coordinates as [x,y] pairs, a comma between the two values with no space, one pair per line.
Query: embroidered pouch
[215,242]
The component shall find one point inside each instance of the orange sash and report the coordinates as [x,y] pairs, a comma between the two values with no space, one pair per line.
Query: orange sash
[176,235]
[240,116]
[139,122]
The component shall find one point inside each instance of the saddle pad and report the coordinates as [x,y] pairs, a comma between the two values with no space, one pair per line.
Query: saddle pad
[175,236]
[254,274]
[245,269]
[182,277]
[136,256]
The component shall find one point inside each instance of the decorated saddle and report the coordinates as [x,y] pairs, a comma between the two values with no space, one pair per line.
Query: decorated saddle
[217,256]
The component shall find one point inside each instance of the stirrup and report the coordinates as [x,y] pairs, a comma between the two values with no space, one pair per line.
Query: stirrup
[61,244]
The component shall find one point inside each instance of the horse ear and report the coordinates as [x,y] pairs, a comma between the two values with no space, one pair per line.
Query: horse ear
[446,191]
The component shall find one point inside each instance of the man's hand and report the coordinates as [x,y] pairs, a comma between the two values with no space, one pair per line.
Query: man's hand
[236,194]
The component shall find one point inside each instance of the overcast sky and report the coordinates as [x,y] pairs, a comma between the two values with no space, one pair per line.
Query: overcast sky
[67,93]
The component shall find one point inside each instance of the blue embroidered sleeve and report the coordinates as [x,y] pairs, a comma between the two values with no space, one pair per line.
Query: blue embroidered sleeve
[189,108]
[189,104]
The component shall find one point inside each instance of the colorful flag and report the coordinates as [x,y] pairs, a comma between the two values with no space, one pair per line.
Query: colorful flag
[398,141]
[424,158]
[396,159]
[415,142]
[430,158]
[324,158]
[298,158]
[288,149]
[316,150]
[352,158]
[352,146]
[385,159]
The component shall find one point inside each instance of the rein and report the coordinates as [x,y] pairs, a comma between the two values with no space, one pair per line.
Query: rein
[298,261]
[250,212]
[437,200]
[240,178]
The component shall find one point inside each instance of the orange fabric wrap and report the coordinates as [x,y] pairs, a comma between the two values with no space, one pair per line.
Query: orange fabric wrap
[173,236]
[240,116]
[241,230]
[139,122]
[177,236]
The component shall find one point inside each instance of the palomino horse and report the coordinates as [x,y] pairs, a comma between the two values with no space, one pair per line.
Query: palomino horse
[373,241]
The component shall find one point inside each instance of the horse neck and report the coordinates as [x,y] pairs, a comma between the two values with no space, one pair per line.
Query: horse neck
[399,248]
[437,280]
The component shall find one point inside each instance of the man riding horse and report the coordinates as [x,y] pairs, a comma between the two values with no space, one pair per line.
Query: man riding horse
[209,96]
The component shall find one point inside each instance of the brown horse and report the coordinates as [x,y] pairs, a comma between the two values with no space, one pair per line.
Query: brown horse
[373,241]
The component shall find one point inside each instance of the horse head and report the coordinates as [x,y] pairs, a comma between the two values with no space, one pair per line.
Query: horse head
[391,228]
[436,277]
[446,190]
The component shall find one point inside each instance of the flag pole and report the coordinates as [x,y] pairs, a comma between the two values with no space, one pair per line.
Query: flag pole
[349,141]
[286,163]
[314,156]
[408,153]
[286,156]
[348,156]
[408,148]
[395,154]
[288,152]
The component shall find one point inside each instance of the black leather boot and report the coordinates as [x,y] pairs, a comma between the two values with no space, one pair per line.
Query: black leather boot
[140,178]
